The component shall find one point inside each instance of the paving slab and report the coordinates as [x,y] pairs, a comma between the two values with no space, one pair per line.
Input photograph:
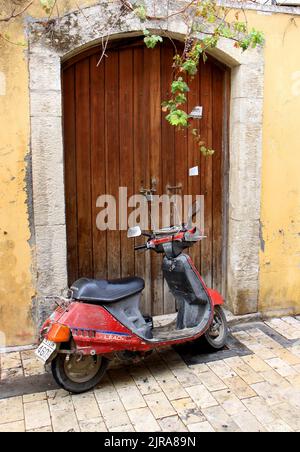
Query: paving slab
[253,385]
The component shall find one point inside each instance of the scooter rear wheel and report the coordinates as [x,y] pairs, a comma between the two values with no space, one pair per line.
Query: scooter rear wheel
[216,336]
[78,374]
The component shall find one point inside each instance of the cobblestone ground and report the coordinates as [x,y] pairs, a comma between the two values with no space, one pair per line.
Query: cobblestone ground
[256,392]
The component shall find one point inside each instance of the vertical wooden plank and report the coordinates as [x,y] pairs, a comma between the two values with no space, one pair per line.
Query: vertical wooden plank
[140,152]
[168,149]
[181,164]
[98,174]
[225,177]
[84,227]
[154,91]
[218,106]
[70,171]
[194,155]
[112,156]
[126,150]
[181,158]
[167,131]
[206,171]
[147,93]
[181,169]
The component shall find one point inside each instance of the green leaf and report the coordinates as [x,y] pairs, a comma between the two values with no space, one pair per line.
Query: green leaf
[179,85]
[240,27]
[151,41]
[256,38]
[190,66]
[180,99]
[211,42]
[47,5]
[178,118]
[198,50]
[226,32]
[141,12]
[245,43]
[252,40]
[206,152]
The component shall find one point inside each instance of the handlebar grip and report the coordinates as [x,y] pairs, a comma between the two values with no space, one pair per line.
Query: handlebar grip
[140,247]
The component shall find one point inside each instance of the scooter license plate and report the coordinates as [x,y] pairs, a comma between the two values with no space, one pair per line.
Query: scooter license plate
[45,350]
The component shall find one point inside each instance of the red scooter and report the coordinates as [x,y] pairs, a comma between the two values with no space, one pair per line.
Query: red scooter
[102,319]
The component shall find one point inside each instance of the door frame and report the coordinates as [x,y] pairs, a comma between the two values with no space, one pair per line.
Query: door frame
[70,36]
[134,43]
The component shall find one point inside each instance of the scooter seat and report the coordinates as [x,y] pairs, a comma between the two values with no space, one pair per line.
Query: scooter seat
[98,291]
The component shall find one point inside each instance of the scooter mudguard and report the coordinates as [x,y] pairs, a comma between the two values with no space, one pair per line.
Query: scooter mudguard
[216,297]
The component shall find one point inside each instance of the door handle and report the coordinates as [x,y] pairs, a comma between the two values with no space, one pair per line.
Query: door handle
[149,192]
[174,188]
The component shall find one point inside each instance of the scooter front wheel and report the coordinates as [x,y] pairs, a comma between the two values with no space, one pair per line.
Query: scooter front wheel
[78,374]
[216,336]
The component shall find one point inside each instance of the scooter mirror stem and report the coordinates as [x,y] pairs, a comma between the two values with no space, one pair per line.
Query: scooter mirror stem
[193,210]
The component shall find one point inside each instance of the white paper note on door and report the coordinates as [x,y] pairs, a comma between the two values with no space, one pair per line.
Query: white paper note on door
[194,171]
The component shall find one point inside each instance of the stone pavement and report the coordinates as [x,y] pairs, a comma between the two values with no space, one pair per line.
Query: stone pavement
[230,391]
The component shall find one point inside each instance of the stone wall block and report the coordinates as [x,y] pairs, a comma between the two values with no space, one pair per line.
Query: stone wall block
[243,266]
[48,171]
[248,81]
[44,72]
[45,104]
[51,260]
[245,180]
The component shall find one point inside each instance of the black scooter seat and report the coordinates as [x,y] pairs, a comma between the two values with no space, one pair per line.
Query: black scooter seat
[97,291]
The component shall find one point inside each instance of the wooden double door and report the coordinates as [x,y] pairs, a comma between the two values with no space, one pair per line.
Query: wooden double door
[116,135]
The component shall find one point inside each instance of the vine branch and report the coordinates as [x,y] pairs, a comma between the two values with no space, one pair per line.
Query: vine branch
[207,22]
[14,14]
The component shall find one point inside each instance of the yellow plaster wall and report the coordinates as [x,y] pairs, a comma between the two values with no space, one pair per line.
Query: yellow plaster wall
[280,212]
[16,283]
[280,250]
[16,253]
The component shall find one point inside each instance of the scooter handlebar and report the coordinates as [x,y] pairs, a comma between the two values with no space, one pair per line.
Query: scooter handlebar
[141,247]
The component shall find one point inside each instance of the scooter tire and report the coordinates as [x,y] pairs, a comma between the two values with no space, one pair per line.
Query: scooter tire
[62,379]
[215,344]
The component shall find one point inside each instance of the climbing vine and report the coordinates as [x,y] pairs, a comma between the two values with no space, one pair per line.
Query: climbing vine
[207,21]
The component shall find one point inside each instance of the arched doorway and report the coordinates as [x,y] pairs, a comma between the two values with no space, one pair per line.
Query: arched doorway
[115,135]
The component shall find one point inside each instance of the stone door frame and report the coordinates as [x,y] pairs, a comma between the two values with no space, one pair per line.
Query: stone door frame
[76,32]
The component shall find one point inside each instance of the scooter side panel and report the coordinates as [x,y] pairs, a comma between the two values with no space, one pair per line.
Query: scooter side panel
[95,329]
